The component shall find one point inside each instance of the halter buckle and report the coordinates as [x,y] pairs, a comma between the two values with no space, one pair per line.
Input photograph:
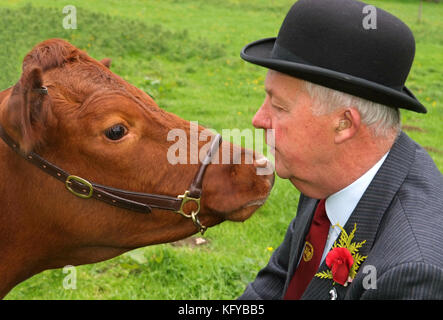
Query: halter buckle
[83,182]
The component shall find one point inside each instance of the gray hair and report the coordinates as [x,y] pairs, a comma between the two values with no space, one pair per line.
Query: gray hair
[381,119]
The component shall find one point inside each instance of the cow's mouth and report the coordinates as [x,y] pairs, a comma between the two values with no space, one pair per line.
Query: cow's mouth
[246,211]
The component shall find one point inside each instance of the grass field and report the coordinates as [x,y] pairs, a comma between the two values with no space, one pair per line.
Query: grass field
[185,53]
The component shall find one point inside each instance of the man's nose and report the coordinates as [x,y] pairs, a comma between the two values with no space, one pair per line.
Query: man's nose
[261,119]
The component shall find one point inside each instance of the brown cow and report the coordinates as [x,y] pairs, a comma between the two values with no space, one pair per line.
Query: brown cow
[94,124]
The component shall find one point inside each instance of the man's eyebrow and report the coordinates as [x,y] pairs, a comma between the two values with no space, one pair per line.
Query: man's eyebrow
[271,94]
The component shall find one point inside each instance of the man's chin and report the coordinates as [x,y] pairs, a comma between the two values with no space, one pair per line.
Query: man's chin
[282,173]
[301,185]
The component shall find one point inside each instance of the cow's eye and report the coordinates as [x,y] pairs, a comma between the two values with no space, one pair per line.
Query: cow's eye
[116,132]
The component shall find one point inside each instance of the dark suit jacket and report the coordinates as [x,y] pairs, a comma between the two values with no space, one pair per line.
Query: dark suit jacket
[400,216]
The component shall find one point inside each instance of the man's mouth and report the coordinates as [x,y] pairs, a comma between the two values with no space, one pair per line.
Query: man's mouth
[270,135]
[271,149]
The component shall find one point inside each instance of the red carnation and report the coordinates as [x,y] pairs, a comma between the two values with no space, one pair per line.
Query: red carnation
[340,261]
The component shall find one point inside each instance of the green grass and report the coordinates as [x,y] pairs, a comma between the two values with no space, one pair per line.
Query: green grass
[186,54]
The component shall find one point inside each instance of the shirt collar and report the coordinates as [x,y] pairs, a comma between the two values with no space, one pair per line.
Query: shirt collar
[340,205]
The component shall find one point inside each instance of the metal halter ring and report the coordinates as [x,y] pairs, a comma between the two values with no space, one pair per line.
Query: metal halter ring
[197,223]
[185,199]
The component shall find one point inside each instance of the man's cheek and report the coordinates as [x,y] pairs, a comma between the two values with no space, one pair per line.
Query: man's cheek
[277,138]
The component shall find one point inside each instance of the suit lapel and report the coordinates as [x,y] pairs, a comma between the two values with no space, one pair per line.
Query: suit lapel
[370,210]
[305,213]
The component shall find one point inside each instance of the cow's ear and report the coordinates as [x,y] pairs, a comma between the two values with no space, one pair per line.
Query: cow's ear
[106,62]
[28,110]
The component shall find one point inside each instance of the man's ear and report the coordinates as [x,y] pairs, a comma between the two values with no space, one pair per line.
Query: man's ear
[347,125]
[28,110]
[106,62]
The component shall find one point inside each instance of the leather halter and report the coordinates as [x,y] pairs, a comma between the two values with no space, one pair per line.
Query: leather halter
[135,201]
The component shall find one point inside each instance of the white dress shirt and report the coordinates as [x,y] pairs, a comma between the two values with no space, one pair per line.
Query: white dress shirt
[340,205]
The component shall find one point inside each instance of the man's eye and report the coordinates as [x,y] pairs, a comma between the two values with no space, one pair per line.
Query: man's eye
[278,108]
[116,132]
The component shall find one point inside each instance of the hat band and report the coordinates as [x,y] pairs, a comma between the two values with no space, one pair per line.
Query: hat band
[278,52]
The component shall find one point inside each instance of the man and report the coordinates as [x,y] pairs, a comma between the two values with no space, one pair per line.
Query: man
[333,94]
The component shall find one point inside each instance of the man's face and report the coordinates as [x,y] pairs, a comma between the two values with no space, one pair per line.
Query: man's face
[303,142]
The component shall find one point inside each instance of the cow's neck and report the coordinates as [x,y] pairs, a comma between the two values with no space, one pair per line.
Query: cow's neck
[21,255]
[15,268]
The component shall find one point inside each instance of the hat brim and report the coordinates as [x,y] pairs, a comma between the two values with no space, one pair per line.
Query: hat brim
[259,53]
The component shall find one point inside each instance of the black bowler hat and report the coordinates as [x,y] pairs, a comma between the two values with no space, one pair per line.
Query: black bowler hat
[343,45]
